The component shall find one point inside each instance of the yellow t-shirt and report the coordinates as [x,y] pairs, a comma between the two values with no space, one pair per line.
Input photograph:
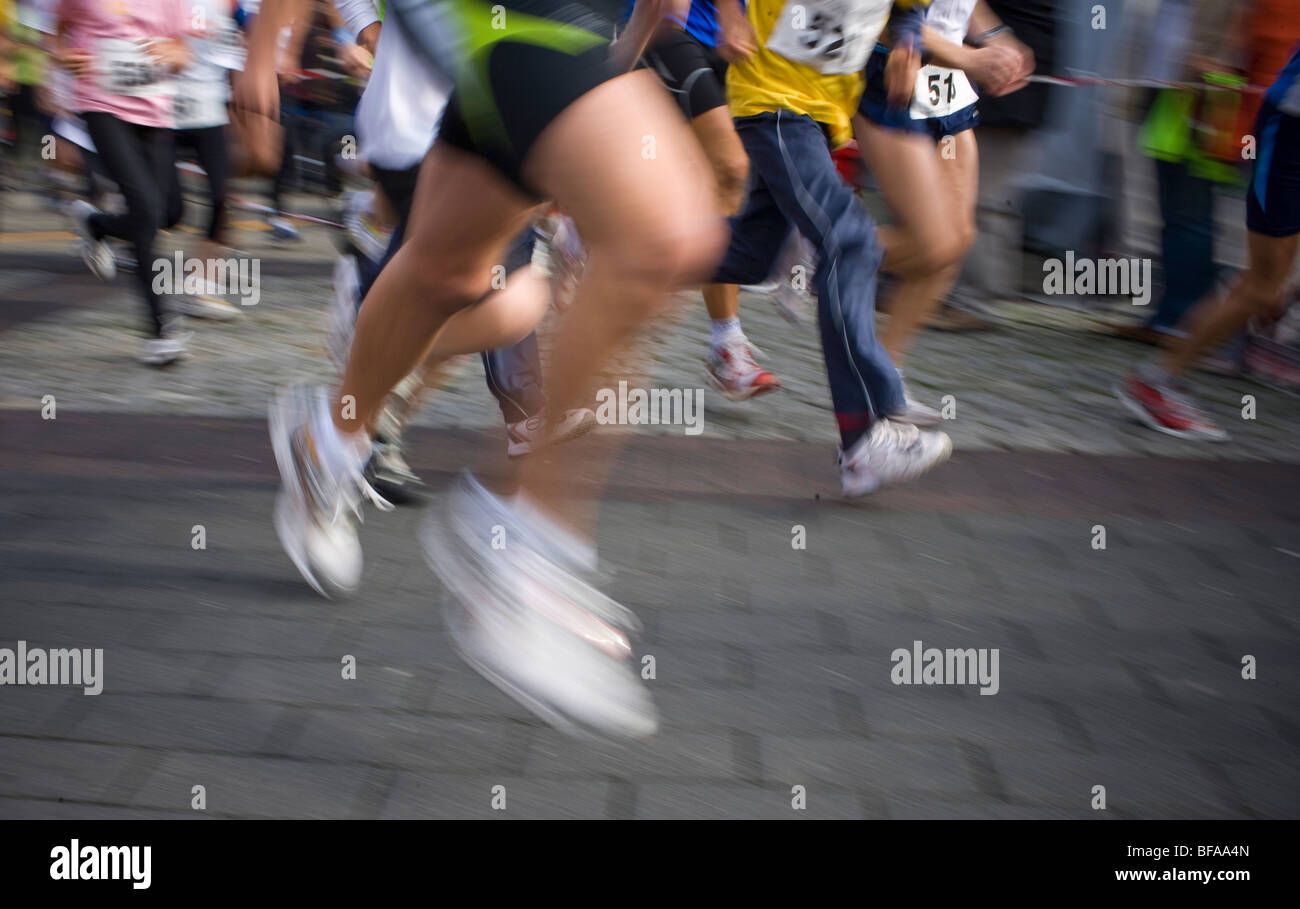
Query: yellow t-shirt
[810,59]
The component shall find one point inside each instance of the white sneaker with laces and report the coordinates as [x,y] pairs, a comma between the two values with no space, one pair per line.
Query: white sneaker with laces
[319,506]
[733,371]
[165,350]
[97,254]
[532,627]
[890,452]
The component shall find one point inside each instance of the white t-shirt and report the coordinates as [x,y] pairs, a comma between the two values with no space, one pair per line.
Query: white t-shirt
[399,111]
[203,87]
[950,18]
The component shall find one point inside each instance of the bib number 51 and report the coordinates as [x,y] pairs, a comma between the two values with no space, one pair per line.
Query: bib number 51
[942,89]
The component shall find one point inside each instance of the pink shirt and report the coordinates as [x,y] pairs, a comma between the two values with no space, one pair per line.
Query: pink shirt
[120,84]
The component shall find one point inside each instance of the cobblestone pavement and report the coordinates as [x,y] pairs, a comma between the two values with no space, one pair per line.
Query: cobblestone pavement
[1120,667]
[1041,382]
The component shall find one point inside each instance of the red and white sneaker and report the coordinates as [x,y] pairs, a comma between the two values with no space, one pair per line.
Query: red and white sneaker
[524,437]
[735,374]
[1165,409]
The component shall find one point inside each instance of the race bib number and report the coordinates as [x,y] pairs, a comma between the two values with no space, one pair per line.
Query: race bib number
[198,105]
[941,91]
[125,69]
[833,37]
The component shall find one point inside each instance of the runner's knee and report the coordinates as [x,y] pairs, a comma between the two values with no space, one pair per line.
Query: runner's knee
[668,253]
[454,286]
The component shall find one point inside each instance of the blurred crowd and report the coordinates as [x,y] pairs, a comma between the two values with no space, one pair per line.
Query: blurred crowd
[1131,141]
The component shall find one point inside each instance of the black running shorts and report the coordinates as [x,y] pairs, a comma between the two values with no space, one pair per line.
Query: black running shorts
[516,64]
[695,73]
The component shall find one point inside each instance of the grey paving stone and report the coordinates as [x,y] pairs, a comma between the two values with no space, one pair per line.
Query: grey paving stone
[847,762]
[688,755]
[46,768]
[769,802]
[471,797]
[237,786]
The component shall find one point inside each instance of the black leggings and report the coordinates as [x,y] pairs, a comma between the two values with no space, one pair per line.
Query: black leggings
[140,160]
[210,149]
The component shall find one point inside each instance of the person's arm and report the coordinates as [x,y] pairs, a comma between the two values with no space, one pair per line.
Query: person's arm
[171,53]
[76,61]
[996,68]
[647,15]
[736,38]
[905,22]
[256,97]
[997,60]
[361,19]
[983,20]
[350,19]
[263,36]
[171,50]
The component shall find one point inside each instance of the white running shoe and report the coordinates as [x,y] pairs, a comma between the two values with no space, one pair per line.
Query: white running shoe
[523,437]
[204,306]
[734,373]
[97,254]
[530,625]
[890,452]
[166,350]
[914,411]
[318,508]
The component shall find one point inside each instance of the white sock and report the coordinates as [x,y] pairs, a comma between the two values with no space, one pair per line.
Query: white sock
[342,452]
[723,329]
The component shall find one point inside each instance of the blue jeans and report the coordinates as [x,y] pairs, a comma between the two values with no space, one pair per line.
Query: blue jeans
[514,374]
[795,183]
